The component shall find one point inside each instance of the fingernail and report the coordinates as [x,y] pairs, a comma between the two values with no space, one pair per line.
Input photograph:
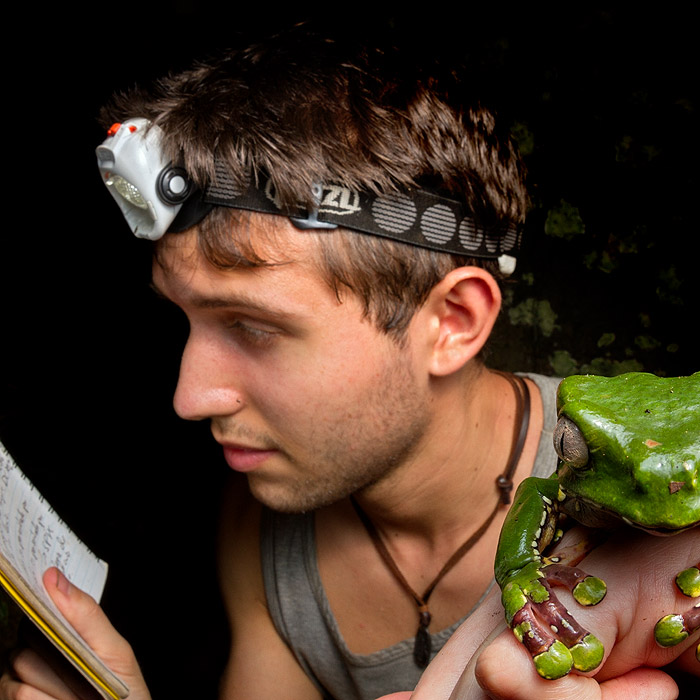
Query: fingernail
[62,583]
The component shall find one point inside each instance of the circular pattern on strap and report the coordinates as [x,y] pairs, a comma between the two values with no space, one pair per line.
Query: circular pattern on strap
[394,213]
[438,224]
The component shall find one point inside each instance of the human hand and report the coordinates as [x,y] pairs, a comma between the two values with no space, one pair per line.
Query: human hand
[483,659]
[33,679]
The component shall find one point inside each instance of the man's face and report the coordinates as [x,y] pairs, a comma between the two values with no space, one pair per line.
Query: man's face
[304,394]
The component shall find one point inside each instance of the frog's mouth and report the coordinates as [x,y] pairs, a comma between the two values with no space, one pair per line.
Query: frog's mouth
[663,531]
[595,515]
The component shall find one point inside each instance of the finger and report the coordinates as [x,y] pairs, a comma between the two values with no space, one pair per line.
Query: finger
[506,675]
[90,622]
[641,684]
[85,615]
[11,689]
[30,669]
[505,671]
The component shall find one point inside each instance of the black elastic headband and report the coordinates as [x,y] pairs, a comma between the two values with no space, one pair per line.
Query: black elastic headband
[416,217]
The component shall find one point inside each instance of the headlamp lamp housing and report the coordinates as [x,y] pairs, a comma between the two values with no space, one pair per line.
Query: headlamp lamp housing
[148,189]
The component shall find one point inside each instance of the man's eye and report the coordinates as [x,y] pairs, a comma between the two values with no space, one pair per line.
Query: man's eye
[253,334]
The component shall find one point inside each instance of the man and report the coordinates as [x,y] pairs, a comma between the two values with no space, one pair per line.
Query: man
[333,224]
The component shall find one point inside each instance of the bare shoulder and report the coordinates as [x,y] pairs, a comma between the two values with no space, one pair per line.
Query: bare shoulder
[260,662]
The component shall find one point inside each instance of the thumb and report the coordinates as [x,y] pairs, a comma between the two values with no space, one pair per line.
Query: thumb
[504,674]
[90,622]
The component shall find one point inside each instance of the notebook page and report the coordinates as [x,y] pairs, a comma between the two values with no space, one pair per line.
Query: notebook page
[33,538]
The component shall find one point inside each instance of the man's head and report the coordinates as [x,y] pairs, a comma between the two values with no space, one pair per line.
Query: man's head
[300,110]
[328,359]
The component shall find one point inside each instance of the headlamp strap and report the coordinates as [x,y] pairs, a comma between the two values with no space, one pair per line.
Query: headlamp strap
[417,217]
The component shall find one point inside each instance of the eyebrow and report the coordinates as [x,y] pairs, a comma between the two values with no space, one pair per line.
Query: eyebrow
[201,301]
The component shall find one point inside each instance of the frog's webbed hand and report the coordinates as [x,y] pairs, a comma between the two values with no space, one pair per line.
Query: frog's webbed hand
[673,629]
[556,641]
[538,619]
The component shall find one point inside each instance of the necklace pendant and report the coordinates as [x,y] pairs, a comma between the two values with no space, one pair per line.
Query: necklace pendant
[423,644]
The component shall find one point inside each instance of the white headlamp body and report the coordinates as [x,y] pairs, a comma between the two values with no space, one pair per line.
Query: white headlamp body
[148,189]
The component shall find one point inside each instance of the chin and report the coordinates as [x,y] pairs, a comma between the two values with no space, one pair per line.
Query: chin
[295,498]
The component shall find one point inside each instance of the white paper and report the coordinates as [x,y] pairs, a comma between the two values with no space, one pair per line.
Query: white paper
[33,538]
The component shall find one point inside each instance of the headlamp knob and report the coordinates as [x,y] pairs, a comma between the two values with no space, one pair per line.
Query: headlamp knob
[173,185]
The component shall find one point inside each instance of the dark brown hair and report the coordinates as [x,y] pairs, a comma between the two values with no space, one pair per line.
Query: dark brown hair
[301,109]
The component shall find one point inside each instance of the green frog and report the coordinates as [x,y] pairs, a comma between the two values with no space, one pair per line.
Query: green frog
[629,453]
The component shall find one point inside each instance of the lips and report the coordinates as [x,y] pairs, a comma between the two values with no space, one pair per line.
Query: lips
[245,459]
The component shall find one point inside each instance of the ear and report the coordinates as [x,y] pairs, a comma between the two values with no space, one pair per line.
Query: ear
[462,310]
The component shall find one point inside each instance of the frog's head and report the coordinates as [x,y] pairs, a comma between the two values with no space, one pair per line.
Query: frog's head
[629,448]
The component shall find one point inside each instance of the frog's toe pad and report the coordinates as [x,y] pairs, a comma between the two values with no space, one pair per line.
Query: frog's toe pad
[590,591]
[670,630]
[688,581]
[588,653]
[555,662]
[673,629]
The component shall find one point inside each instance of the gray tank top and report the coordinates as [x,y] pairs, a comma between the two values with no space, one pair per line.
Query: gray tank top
[301,613]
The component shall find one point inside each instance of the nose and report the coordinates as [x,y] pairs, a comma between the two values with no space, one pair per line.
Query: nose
[206,385]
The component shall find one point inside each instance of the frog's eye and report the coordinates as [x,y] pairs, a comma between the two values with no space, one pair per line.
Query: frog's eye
[570,444]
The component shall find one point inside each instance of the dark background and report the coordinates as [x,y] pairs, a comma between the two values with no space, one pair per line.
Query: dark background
[603,102]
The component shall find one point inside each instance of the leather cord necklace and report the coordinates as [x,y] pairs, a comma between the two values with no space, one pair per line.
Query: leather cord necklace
[423,643]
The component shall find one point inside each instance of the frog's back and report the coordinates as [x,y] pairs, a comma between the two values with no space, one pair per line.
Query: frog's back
[662,406]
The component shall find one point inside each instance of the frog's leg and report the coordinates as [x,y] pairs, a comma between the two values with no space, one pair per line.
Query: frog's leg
[673,629]
[555,640]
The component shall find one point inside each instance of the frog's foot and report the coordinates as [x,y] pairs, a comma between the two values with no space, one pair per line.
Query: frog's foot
[673,629]
[555,640]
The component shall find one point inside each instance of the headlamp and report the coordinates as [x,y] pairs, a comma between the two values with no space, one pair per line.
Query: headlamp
[157,196]
[148,189]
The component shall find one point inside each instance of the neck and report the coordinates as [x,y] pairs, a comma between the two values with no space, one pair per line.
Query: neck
[453,472]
